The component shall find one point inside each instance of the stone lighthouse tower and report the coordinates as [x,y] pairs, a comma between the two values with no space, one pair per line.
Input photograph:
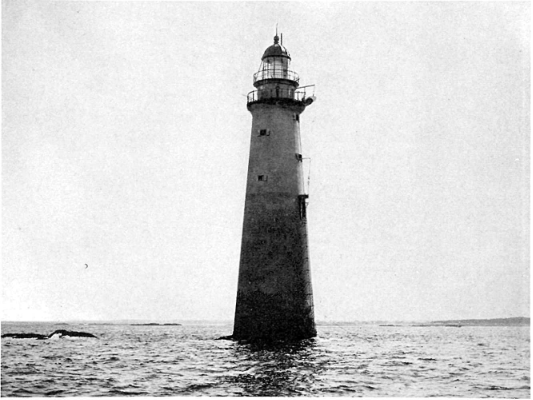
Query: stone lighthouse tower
[274,297]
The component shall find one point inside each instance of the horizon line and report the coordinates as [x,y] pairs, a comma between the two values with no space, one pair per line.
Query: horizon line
[231,321]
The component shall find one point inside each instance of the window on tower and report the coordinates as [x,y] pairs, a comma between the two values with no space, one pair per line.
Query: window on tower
[262,178]
[302,205]
[264,132]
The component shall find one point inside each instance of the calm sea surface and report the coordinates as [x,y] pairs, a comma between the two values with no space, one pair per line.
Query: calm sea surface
[364,360]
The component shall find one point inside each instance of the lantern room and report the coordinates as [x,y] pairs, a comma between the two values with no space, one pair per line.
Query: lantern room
[275,64]
[275,81]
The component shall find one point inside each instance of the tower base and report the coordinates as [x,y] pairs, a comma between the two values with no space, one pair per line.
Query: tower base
[276,322]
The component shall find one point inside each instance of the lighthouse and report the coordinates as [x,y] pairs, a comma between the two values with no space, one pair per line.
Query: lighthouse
[274,295]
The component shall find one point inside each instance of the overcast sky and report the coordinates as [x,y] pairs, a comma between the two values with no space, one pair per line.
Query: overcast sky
[125,147]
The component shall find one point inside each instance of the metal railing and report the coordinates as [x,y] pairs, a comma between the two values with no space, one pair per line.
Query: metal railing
[300,94]
[276,74]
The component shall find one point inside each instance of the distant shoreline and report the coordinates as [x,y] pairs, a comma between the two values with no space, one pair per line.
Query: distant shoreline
[513,321]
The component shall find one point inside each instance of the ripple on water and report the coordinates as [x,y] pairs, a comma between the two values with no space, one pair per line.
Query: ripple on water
[362,360]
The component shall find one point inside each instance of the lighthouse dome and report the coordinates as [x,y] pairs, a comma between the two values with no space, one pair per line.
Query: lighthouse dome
[276,50]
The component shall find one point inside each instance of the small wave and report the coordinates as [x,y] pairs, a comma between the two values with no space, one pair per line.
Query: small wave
[33,371]
[127,392]
[198,386]
[22,391]
[54,392]
[398,363]
[498,388]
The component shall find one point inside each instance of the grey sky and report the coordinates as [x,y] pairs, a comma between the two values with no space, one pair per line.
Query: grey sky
[125,147]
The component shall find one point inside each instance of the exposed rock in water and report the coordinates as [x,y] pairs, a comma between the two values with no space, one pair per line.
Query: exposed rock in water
[230,337]
[24,336]
[60,332]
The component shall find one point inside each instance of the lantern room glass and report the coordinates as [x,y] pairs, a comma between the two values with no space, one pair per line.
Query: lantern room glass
[274,67]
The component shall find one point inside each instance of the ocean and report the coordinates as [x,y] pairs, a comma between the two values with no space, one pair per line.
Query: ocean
[187,360]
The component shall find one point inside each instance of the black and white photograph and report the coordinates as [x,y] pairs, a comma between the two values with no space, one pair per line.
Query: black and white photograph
[265,199]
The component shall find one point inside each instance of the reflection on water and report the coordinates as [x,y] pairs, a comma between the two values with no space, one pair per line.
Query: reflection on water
[282,369]
[365,360]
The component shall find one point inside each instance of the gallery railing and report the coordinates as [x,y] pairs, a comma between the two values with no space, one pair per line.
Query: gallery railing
[301,94]
[276,74]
